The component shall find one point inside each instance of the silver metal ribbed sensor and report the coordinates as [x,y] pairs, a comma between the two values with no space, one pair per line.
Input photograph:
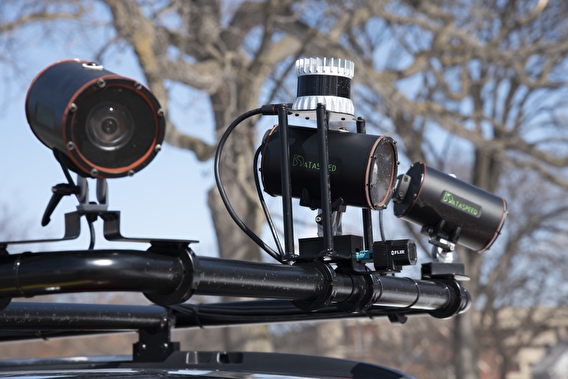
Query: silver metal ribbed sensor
[326,81]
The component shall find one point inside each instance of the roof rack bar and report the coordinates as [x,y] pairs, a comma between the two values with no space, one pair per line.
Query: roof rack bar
[173,276]
[33,320]
[32,316]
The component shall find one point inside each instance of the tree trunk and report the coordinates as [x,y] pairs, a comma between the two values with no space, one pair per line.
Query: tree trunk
[465,352]
[237,177]
[486,171]
[248,338]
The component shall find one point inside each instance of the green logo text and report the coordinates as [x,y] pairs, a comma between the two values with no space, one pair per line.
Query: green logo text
[299,161]
[461,204]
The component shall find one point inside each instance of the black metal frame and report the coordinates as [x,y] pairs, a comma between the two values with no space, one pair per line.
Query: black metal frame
[170,274]
[327,286]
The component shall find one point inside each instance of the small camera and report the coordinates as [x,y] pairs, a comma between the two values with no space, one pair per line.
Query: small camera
[392,255]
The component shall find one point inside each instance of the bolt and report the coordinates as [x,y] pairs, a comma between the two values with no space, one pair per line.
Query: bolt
[94,172]
[101,83]
[70,145]
[161,112]
[157,148]
[73,107]
[143,346]
[130,173]
[138,86]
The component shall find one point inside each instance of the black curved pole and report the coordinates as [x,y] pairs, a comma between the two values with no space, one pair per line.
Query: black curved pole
[170,278]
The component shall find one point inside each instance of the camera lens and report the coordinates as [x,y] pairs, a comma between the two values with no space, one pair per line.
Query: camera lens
[382,173]
[110,126]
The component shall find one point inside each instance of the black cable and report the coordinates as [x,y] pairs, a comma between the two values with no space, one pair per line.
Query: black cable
[92,234]
[60,158]
[381,226]
[266,311]
[222,192]
[265,209]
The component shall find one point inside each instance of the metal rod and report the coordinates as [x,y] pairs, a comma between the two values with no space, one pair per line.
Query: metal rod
[323,152]
[222,277]
[366,213]
[85,271]
[85,317]
[314,284]
[32,320]
[286,183]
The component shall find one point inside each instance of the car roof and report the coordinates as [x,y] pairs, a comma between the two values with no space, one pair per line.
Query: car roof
[216,364]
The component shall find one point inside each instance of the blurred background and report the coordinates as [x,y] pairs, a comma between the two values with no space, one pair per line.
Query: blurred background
[477,88]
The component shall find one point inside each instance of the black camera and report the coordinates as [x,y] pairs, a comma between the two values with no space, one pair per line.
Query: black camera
[362,168]
[392,255]
[449,208]
[98,124]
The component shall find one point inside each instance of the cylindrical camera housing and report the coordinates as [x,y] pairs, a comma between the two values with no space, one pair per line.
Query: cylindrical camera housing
[105,125]
[426,196]
[362,167]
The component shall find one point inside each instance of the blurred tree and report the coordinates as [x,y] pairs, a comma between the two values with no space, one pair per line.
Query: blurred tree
[477,86]
[480,83]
